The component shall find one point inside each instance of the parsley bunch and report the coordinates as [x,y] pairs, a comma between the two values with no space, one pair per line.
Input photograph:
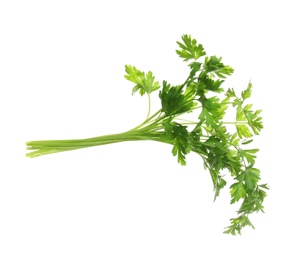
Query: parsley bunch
[220,144]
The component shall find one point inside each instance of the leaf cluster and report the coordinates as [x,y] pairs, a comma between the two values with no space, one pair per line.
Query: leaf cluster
[221,150]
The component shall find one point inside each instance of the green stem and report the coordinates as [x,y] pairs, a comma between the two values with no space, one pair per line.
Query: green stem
[235,123]
[147,121]
[53,146]
[187,122]
[186,81]
[149,106]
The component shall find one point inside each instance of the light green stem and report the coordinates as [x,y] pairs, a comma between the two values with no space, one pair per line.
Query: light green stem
[144,131]
[149,106]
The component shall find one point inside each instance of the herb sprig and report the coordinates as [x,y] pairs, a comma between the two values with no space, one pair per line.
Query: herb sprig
[207,135]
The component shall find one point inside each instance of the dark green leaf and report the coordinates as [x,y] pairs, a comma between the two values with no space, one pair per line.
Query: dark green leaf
[174,101]
[195,67]
[179,138]
[214,66]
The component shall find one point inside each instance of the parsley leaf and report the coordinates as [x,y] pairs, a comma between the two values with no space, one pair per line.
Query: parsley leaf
[237,224]
[174,100]
[215,67]
[144,82]
[238,191]
[190,49]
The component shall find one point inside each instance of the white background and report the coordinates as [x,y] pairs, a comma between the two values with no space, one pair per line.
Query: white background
[61,76]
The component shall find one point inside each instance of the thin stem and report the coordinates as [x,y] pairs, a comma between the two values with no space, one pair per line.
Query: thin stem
[54,146]
[148,118]
[150,129]
[187,122]
[149,106]
[235,123]
[146,121]
[186,81]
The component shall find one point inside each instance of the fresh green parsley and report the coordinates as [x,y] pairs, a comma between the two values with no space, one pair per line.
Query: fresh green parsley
[222,145]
